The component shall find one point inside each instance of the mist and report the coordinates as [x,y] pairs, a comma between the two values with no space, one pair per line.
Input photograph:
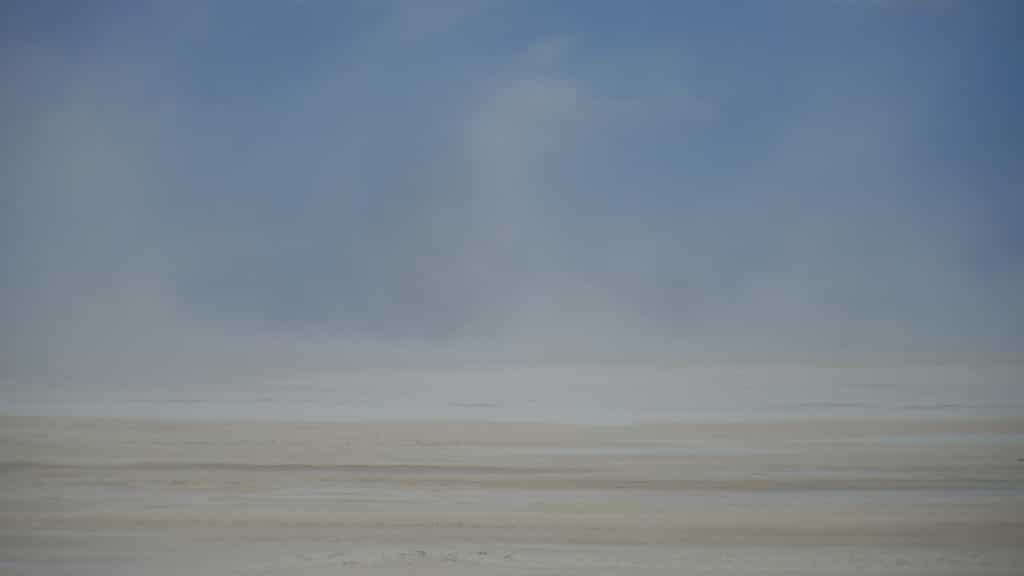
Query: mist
[226,191]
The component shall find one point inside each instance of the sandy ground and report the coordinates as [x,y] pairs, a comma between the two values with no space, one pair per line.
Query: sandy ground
[923,496]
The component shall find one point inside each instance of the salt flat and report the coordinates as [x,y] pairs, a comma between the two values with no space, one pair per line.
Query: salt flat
[786,496]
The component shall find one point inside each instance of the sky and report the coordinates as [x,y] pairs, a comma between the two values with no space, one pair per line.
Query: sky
[215,189]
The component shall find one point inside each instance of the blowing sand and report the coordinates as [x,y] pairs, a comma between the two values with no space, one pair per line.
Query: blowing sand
[102,496]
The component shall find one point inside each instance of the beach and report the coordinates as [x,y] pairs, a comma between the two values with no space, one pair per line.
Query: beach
[907,495]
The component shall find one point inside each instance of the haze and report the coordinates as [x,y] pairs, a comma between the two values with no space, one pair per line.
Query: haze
[265,193]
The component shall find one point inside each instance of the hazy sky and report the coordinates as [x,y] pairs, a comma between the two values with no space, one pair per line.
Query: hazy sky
[193,187]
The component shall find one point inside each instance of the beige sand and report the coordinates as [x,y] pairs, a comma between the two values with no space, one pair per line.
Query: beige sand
[927,496]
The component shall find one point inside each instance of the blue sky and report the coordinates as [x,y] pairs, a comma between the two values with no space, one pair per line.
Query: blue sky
[296,182]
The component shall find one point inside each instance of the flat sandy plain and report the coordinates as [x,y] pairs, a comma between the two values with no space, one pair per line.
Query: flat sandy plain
[908,496]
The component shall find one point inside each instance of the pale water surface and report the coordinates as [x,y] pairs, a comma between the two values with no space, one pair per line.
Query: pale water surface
[568,393]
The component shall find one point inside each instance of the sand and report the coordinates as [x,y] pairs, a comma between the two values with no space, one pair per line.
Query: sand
[900,496]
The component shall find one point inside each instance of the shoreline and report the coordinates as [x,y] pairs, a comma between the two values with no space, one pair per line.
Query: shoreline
[891,496]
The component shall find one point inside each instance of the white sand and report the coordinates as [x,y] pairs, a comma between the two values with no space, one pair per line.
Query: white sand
[926,496]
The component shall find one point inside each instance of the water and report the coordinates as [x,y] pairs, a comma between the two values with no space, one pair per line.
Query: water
[569,393]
